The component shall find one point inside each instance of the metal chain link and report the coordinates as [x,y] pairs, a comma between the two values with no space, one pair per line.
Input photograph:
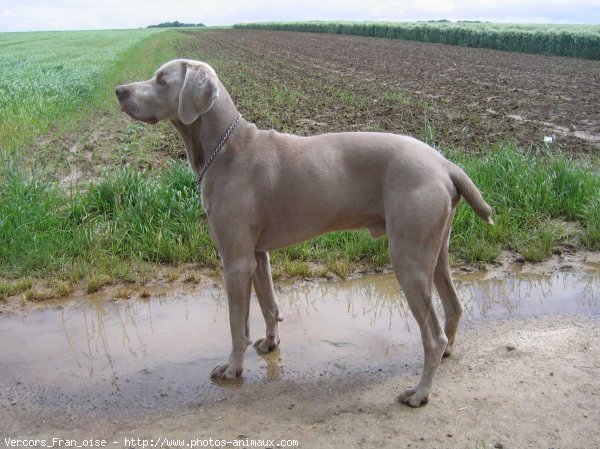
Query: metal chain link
[219,147]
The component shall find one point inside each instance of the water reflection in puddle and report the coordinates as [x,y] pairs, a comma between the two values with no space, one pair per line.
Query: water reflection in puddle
[158,353]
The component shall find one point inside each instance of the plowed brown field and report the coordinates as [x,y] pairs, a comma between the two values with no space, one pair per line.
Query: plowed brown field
[467,97]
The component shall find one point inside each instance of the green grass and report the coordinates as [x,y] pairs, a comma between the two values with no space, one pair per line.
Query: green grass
[127,217]
[45,76]
[130,218]
[581,41]
[527,191]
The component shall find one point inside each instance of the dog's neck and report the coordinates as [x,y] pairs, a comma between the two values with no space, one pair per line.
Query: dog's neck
[203,135]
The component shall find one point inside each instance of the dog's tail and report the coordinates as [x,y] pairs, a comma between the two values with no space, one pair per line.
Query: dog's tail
[470,193]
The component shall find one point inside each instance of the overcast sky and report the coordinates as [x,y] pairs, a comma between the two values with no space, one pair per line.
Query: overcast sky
[32,15]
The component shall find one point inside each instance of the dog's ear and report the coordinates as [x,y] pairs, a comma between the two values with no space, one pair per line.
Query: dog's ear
[198,94]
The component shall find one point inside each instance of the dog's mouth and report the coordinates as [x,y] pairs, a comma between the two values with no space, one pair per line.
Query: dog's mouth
[133,115]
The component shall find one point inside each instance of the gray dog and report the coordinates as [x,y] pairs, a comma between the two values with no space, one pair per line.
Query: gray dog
[264,190]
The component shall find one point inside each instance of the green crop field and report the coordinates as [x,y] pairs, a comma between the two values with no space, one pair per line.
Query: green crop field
[46,75]
[581,41]
[87,195]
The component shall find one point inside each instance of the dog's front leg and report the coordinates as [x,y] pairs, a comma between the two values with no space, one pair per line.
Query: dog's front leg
[263,285]
[238,283]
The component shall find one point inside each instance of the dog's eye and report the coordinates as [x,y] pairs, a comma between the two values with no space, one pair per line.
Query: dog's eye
[161,80]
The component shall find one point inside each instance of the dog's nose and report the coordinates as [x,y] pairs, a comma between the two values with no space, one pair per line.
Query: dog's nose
[122,92]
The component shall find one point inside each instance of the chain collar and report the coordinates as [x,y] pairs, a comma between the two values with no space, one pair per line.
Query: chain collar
[219,147]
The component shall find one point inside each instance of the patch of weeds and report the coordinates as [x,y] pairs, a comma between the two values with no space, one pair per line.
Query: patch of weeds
[341,267]
[480,250]
[38,295]
[590,214]
[96,281]
[132,132]
[540,246]
[428,134]
[122,293]
[62,288]
[295,267]
[376,126]
[173,275]
[8,289]
[191,278]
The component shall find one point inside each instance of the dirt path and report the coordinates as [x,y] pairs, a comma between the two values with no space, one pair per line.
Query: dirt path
[513,384]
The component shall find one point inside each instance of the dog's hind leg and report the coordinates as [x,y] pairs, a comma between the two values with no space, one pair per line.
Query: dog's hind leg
[417,287]
[453,308]
[263,285]
[415,236]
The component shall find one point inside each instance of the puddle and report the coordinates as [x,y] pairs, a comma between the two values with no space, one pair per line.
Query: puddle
[139,355]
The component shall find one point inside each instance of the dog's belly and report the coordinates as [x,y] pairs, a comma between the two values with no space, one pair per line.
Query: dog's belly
[299,229]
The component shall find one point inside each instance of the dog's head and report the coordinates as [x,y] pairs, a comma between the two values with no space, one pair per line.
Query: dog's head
[181,89]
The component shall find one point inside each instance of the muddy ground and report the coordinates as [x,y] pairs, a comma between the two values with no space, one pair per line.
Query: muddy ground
[515,383]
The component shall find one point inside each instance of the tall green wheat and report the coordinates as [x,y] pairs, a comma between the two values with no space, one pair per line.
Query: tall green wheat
[48,75]
[580,41]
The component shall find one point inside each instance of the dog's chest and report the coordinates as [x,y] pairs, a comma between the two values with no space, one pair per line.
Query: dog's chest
[204,201]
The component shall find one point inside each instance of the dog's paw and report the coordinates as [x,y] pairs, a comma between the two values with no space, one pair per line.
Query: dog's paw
[266,344]
[226,370]
[447,351]
[414,397]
